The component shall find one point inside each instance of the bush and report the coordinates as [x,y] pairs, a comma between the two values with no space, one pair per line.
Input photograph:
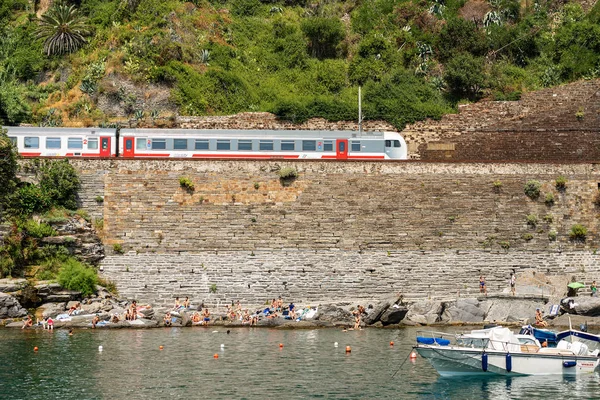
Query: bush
[186,183]
[532,189]
[38,229]
[578,232]
[29,199]
[549,199]
[532,220]
[288,173]
[108,285]
[8,165]
[552,236]
[527,236]
[60,182]
[561,183]
[497,185]
[548,218]
[465,76]
[117,248]
[74,275]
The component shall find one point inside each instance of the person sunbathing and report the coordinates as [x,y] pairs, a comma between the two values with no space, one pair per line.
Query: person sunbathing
[115,318]
[539,319]
[196,318]
[167,319]
[246,318]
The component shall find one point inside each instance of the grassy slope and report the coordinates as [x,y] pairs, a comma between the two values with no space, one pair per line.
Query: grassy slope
[298,60]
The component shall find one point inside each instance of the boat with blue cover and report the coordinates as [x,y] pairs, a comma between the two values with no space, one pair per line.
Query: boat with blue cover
[499,351]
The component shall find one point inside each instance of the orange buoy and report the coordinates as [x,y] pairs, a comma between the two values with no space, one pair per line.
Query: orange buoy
[160,347]
[35,348]
[391,343]
[281,345]
[413,356]
[348,349]
[216,355]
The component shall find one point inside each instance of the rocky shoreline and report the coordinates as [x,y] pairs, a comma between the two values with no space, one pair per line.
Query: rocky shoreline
[47,299]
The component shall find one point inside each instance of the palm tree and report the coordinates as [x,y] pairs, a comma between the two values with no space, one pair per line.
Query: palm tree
[62,29]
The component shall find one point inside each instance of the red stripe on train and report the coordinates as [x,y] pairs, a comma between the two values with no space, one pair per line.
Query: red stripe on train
[266,156]
[30,154]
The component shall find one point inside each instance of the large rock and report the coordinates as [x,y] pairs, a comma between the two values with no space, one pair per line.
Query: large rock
[393,315]
[51,309]
[334,314]
[464,310]
[10,307]
[374,314]
[588,306]
[92,308]
[424,312]
[512,309]
[8,285]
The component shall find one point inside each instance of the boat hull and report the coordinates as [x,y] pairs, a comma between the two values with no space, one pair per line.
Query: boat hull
[452,361]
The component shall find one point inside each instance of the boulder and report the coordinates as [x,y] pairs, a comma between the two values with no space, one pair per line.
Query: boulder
[334,314]
[148,313]
[393,315]
[374,314]
[423,312]
[511,309]
[92,308]
[464,310]
[588,306]
[10,307]
[12,285]
[185,319]
[51,309]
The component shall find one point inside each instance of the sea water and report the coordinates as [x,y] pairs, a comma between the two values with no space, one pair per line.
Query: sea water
[250,365]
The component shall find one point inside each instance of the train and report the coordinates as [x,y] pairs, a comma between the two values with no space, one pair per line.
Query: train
[207,143]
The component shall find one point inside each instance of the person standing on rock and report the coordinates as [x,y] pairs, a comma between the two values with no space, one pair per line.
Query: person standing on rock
[482,286]
[513,282]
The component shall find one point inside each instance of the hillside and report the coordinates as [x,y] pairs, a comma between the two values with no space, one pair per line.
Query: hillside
[296,59]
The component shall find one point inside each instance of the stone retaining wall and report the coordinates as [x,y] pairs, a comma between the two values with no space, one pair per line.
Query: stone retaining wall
[311,277]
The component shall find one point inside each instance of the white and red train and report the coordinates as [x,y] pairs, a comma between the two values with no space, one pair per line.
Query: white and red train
[207,143]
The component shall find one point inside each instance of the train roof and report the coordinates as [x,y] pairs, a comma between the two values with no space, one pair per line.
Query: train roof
[44,131]
[250,133]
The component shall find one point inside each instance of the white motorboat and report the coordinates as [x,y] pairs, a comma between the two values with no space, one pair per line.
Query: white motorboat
[499,351]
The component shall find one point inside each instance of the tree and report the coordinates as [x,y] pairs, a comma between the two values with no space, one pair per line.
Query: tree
[8,168]
[324,36]
[62,29]
[464,75]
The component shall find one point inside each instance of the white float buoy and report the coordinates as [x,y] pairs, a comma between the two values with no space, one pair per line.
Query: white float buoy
[335,344]
[222,346]
[100,348]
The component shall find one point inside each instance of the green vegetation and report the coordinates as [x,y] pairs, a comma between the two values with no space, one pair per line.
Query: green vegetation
[288,173]
[414,59]
[527,236]
[77,276]
[552,236]
[561,183]
[117,248]
[187,184]
[532,189]
[548,218]
[212,288]
[532,220]
[497,185]
[578,232]
[549,200]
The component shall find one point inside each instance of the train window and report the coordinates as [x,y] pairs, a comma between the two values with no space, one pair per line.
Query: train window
[75,143]
[180,144]
[92,144]
[53,143]
[159,144]
[32,142]
[388,143]
[265,145]
[140,144]
[201,144]
[328,145]
[13,140]
[396,143]
[309,145]
[288,145]
[244,144]
[128,145]
[355,145]
[223,145]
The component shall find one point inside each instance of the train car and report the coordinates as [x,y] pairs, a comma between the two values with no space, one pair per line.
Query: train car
[261,144]
[63,142]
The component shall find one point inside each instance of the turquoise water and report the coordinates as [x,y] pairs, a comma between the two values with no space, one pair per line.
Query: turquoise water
[250,366]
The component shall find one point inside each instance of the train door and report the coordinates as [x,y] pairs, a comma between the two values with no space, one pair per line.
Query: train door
[341,149]
[104,146]
[128,147]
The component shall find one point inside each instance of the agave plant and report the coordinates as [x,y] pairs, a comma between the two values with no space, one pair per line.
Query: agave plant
[62,29]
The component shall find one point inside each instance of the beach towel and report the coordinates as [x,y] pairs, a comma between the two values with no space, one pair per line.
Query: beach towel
[554,309]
